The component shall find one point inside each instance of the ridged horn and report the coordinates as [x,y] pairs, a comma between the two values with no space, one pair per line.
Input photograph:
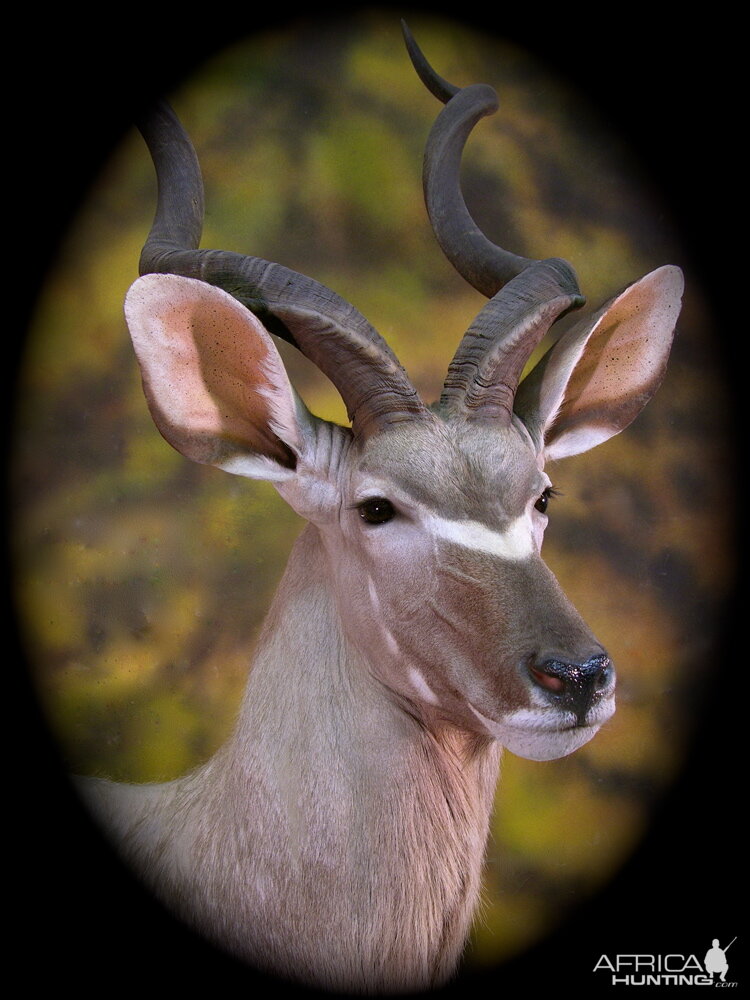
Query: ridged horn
[323,326]
[526,296]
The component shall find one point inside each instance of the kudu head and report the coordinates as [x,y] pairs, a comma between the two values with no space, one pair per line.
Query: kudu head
[431,517]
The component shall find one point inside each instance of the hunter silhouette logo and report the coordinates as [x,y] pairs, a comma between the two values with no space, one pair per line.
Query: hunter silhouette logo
[669,969]
[716,959]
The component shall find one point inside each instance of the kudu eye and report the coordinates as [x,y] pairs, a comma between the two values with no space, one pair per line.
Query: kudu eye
[378,510]
[544,499]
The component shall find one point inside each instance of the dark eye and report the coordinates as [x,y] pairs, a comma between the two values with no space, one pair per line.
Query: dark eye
[544,499]
[378,510]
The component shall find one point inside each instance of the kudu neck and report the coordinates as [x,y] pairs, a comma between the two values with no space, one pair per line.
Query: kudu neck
[354,790]
[308,681]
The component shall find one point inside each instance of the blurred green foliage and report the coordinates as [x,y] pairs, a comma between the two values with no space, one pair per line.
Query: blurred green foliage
[142,579]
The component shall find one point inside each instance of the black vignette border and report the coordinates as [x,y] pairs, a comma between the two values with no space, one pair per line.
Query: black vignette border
[668,87]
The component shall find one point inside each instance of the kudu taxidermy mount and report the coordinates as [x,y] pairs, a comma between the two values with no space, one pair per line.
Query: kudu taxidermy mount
[337,839]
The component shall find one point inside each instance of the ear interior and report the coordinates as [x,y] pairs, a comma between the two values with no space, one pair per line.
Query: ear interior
[213,378]
[598,377]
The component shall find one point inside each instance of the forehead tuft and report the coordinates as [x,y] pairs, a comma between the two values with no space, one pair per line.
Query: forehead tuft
[461,468]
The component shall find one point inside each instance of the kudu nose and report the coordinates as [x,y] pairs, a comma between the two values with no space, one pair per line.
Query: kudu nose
[575,686]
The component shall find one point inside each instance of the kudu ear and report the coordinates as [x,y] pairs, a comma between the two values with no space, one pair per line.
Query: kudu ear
[213,378]
[601,373]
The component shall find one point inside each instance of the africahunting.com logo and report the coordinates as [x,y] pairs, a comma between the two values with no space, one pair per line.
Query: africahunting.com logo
[668,970]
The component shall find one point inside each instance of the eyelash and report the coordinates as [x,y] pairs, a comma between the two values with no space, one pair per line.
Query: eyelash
[543,501]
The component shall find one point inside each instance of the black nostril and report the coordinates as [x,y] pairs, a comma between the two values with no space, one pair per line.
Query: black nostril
[574,685]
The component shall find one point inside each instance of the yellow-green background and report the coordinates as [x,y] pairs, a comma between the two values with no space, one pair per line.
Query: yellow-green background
[141,579]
